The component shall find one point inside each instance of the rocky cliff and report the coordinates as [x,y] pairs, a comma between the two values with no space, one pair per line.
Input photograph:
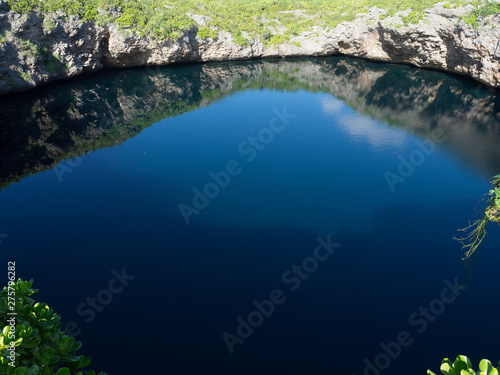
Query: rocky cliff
[35,50]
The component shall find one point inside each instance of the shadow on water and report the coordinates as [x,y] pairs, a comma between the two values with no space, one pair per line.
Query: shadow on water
[61,121]
[192,282]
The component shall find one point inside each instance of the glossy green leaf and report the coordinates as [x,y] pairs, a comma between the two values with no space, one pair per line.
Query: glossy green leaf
[460,365]
[465,359]
[446,369]
[485,366]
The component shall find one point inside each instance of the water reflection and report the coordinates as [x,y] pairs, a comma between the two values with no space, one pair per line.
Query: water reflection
[39,129]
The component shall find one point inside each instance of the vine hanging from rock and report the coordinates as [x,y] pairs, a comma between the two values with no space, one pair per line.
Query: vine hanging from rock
[477,230]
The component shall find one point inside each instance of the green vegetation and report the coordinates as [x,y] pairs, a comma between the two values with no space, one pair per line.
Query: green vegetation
[4,38]
[28,48]
[205,32]
[49,23]
[463,366]
[25,76]
[53,62]
[413,17]
[483,11]
[41,348]
[477,230]
[243,19]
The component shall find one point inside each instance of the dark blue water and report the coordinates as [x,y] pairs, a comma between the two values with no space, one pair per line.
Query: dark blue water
[331,192]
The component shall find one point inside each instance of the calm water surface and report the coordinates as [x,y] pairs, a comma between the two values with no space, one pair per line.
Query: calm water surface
[105,174]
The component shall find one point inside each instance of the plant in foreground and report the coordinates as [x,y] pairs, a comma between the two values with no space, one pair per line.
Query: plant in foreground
[463,366]
[31,342]
[477,230]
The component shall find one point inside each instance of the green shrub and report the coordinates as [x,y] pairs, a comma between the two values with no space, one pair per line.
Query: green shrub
[41,348]
[463,366]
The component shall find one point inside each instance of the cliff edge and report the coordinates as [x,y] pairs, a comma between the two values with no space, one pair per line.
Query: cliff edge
[36,49]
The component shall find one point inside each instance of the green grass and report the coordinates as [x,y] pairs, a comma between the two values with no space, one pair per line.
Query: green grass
[164,19]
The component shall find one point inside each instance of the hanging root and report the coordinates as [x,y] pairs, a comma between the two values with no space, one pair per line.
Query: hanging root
[477,230]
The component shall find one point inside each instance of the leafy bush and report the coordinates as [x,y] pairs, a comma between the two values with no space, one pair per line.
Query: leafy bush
[41,348]
[463,366]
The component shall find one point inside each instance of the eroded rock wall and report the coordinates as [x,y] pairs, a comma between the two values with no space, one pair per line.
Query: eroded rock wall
[35,51]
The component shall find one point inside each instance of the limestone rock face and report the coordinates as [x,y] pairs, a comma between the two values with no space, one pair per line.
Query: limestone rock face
[35,51]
